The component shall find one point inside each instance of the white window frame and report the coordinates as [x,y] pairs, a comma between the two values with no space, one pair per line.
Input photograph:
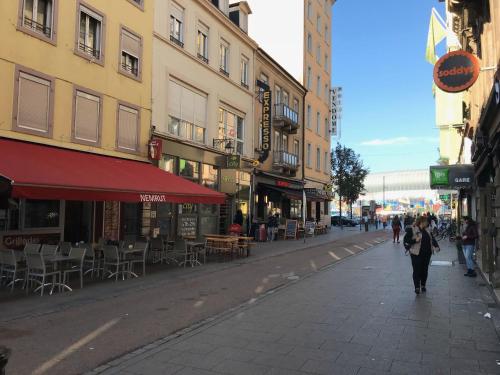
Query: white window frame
[202,40]
[308,156]
[50,12]
[99,37]
[174,20]
[245,63]
[224,55]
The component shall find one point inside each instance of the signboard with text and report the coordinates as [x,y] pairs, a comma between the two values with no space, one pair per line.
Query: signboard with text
[456,71]
[266,125]
[459,176]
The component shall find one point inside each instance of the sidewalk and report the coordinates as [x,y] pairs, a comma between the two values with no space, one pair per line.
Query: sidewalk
[358,316]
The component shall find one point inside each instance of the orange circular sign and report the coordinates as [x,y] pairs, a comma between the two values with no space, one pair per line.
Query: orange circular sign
[456,71]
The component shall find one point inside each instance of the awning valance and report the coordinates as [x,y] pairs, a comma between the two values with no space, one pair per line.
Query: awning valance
[43,172]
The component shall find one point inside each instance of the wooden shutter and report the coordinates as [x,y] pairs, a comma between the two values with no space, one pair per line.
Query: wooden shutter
[128,123]
[33,103]
[87,115]
[131,44]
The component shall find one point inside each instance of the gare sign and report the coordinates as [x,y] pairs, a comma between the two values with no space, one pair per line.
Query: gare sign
[456,71]
[460,176]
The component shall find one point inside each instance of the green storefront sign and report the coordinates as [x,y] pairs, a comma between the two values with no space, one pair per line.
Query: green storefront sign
[444,197]
[439,176]
[233,162]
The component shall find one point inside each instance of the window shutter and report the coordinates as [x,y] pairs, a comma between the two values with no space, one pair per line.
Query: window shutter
[128,122]
[87,108]
[131,43]
[174,99]
[33,103]
[187,105]
[177,11]
[200,110]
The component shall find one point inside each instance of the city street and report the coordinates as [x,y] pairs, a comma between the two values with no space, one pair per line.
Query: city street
[358,316]
[75,332]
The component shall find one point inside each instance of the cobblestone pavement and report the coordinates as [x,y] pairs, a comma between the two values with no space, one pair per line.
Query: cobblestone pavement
[70,333]
[359,316]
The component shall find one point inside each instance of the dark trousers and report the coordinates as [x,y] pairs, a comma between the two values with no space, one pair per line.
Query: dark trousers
[395,231]
[420,264]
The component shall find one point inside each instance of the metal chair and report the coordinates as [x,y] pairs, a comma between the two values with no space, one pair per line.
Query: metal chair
[10,264]
[157,250]
[112,258]
[32,248]
[77,255]
[139,256]
[64,247]
[90,259]
[37,269]
[49,250]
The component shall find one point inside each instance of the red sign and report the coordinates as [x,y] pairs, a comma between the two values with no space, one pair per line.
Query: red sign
[456,71]
[18,241]
[282,183]
[155,148]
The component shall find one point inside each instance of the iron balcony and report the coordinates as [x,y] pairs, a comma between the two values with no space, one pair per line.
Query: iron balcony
[285,160]
[286,118]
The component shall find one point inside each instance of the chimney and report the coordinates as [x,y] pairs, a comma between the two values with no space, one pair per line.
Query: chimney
[238,13]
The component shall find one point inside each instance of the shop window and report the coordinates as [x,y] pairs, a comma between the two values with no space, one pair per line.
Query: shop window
[34,103]
[128,128]
[189,169]
[9,218]
[131,52]
[167,163]
[210,176]
[41,214]
[87,118]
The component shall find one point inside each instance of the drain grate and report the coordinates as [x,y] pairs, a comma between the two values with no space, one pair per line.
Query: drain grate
[441,263]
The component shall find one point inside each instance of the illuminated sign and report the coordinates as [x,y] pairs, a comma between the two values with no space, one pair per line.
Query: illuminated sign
[266,125]
[456,71]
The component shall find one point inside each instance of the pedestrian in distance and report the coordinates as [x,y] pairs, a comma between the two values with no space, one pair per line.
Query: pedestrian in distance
[396,229]
[422,247]
[272,225]
[238,218]
[469,237]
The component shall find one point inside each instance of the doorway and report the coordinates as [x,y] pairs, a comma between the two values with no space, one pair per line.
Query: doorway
[78,221]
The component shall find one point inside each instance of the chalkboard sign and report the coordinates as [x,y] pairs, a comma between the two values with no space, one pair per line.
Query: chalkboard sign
[309,228]
[187,226]
[291,229]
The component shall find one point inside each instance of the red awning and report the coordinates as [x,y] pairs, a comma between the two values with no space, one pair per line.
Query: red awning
[43,172]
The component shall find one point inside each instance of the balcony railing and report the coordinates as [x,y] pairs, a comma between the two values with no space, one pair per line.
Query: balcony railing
[224,71]
[130,68]
[285,159]
[173,39]
[89,50]
[286,115]
[202,58]
[38,27]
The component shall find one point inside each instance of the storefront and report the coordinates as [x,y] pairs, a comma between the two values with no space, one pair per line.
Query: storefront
[277,194]
[50,194]
[318,205]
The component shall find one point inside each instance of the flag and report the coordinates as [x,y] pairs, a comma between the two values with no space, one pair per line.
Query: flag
[437,32]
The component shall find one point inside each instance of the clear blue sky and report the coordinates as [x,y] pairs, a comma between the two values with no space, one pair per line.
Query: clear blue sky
[378,57]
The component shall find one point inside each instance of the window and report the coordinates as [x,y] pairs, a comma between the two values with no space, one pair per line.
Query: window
[128,128]
[326,62]
[327,94]
[167,163]
[131,53]
[309,43]
[176,24]
[296,105]
[309,73]
[327,128]
[318,122]
[318,159]
[318,86]
[244,71]
[138,3]
[264,78]
[284,142]
[187,111]
[231,126]
[34,100]
[202,42]
[318,54]
[190,170]
[308,163]
[37,18]
[285,99]
[326,34]
[277,141]
[209,176]
[41,214]
[224,57]
[296,147]
[278,94]
[325,163]
[309,10]
[90,34]
[318,24]
[87,118]
[309,116]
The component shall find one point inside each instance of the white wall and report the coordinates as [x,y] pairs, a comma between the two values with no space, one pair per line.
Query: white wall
[278,27]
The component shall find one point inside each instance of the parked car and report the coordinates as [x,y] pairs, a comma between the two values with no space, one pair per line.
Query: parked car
[336,220]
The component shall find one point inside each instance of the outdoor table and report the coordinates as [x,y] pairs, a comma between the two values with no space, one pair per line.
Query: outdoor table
[55,260]
[245,243]
[191,246]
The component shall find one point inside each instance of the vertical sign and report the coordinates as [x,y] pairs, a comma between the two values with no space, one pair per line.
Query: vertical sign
[336,109]
[266,124]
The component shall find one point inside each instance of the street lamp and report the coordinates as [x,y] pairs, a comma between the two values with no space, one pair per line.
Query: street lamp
[227,142]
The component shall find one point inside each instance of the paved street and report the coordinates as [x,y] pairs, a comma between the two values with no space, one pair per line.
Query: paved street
[358,316]
[71,333]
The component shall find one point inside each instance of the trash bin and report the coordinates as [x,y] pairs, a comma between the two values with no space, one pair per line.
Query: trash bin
[4,358]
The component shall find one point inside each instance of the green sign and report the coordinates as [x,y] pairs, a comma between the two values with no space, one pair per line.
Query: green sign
[444,197]
[439,176]
[233,162]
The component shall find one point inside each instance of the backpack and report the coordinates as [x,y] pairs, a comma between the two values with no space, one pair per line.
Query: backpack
[408,240]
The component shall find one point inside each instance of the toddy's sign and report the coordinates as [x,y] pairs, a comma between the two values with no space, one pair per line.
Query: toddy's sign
[456,71]
[266,125]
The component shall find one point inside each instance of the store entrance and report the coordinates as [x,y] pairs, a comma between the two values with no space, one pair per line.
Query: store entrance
[78,221]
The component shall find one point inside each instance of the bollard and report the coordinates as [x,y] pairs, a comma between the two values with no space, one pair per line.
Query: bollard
[4,358]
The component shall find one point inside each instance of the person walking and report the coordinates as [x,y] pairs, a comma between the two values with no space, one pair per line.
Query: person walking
[272,224]
[469,237]
[396,229]
[424,245]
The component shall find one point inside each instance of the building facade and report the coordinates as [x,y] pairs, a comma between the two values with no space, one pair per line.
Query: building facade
[303,47]
[203,106]
[278,180]
[76,75]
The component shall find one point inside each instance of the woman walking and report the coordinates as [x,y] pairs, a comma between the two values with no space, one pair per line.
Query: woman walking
[469,242]
[424,245]
[396,228]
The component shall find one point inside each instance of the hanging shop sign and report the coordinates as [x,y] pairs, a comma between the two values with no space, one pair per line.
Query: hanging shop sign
[266,125]
[456,71]
[281,183]
[233,161]
[460,176]
[155,148]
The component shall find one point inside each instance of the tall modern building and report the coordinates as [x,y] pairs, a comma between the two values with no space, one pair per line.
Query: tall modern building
[302,45]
